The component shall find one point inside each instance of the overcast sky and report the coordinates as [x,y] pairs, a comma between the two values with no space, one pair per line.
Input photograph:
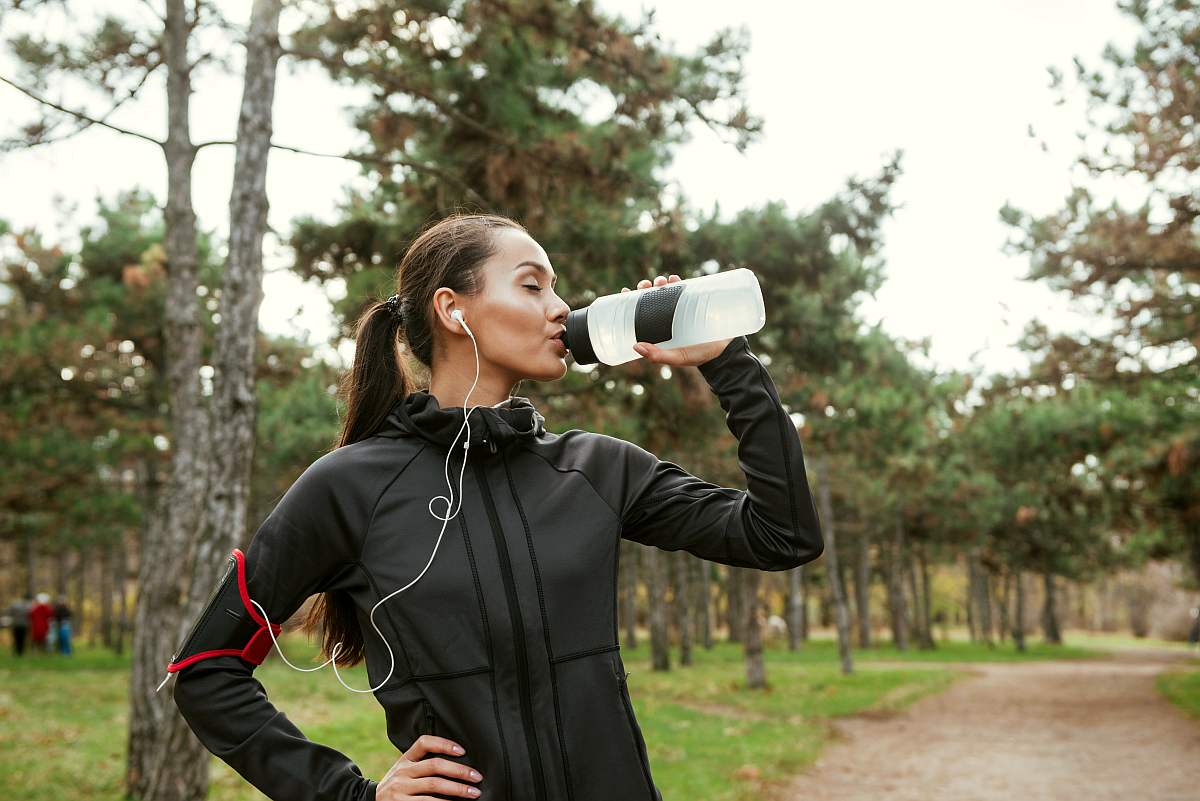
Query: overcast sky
[955,85]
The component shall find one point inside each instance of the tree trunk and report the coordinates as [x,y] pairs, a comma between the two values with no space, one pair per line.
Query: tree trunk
[25,557]
[804,605]
[1002,606]
[629,577]
[733,599]
[756,669]
[121,573]
[897,612]
[704,619]
[660,647]
[165,761]
[927,641]
[1050,612]
[862,586]
[1018,630]
[106,593]
[60,574]
[682,605]
[795,607]
[78,620]
[828,528]
[979,606]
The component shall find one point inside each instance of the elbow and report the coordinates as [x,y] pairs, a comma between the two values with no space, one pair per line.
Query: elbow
[809,547]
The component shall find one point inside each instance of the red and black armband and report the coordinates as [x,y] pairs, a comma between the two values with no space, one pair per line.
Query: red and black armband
[229,624]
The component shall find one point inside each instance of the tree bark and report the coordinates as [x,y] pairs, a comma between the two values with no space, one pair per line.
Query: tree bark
[1002,606]
[682,604]
[660,651]
[120,574]
[733,599]
[1050,626]
[862,586]
[923,627]
[804,604]
[703,606]
[897,611]
[795,607]
[629,577]
[756,669]
[60,574]
[980,605]
[78,621]
[1018,630]
[165,761]
[106,593]
[828,528]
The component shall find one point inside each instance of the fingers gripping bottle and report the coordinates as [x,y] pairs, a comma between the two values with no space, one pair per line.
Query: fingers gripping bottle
[703,309]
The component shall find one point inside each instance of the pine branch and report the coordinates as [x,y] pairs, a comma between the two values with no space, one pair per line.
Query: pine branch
[80,115]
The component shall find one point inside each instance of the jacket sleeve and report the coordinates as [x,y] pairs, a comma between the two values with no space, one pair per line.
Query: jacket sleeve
[304,546]
[773,524]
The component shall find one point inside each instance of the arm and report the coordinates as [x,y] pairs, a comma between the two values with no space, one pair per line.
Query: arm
[306,545]
[773,524]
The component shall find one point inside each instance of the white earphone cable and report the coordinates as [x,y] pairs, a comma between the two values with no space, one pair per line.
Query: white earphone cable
[449,500]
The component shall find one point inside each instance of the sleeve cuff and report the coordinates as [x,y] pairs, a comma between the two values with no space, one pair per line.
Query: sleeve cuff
[737,345]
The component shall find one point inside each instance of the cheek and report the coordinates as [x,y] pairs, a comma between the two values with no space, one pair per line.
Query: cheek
[511,320]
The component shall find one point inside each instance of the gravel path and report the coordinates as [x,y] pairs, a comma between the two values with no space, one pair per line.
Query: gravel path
[1030,731]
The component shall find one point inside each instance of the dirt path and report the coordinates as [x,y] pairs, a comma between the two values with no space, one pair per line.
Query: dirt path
[1033,731]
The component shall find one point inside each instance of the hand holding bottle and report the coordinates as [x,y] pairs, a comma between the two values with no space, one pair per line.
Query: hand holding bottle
[689,355]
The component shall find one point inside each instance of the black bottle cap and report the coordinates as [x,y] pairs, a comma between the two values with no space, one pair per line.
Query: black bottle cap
[577,339]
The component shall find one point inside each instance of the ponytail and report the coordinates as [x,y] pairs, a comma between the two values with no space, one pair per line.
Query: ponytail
[449,253]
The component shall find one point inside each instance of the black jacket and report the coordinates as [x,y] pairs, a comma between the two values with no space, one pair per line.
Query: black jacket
[508,644]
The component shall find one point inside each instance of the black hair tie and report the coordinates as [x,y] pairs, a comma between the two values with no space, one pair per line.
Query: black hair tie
[397,308]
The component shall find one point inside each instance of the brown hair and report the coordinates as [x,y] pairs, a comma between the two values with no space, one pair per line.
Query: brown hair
[449,253]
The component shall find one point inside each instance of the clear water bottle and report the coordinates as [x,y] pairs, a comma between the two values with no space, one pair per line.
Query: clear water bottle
[702,309]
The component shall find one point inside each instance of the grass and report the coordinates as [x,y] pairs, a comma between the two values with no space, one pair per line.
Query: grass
[1182,688]
[63,720]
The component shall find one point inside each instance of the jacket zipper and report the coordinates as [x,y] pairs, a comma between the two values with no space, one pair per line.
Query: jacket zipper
[429,720]
[643,758]
[514,613]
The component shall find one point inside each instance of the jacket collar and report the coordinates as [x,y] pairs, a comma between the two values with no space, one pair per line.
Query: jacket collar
[493,427]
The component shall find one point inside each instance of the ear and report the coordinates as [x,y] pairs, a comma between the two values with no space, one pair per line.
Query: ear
[445,307]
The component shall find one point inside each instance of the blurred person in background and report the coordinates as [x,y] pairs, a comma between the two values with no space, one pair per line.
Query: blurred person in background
[19,613]
[62,626]
[39,622]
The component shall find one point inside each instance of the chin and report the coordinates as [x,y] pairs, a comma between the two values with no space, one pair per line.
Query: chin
[542,374]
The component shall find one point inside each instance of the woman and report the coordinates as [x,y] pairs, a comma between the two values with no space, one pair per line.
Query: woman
[499,671]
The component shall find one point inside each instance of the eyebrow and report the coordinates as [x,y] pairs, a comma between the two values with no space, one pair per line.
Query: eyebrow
[541,268]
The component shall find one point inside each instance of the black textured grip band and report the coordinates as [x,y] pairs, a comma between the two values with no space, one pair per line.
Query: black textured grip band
[655,313]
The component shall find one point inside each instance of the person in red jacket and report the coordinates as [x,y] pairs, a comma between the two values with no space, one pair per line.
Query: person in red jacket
[39,622]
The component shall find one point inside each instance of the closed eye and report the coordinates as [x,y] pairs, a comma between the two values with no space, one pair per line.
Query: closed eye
[536,288]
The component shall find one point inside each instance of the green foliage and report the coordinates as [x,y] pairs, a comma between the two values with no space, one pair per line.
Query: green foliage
[1141,269]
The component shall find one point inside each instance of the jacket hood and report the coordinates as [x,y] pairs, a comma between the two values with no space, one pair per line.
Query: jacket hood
[419,414]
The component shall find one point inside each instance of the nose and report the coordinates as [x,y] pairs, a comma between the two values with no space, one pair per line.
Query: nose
[563,311]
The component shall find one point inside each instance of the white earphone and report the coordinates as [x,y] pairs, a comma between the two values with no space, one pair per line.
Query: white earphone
[457,315]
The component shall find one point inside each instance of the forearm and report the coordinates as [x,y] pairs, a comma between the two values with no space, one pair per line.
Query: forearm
[778,523]
[228,710]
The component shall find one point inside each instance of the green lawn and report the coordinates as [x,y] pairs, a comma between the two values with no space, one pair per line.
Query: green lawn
[1182,688]
[62,720]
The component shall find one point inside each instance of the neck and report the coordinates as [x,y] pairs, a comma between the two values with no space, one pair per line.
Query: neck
[451,390]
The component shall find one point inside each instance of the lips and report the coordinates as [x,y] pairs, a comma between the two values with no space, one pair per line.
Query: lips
[559,344]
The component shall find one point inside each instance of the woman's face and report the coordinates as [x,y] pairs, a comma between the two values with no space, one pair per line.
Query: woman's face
[515,316]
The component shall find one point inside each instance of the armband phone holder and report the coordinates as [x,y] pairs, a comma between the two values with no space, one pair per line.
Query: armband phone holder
[229,625]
